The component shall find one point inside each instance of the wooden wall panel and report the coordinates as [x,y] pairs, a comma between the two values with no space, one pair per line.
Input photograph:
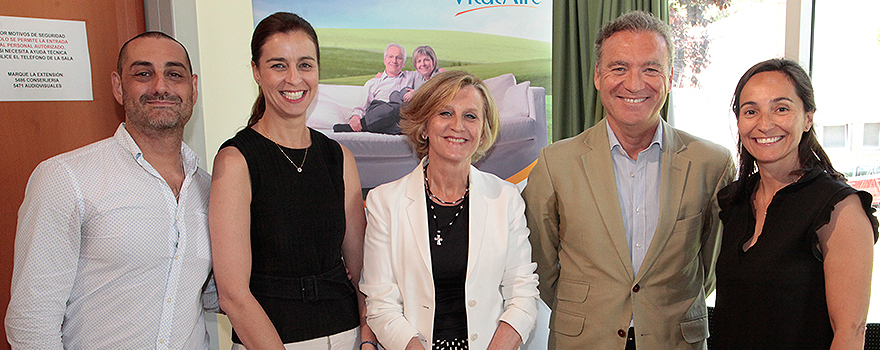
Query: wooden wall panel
[35,131]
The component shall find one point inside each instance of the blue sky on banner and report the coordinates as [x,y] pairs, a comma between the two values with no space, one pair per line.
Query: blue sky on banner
[527,19]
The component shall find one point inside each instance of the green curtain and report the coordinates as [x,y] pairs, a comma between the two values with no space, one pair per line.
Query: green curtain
[576,104]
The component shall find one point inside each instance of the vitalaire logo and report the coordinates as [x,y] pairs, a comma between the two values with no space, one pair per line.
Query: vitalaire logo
[488,4]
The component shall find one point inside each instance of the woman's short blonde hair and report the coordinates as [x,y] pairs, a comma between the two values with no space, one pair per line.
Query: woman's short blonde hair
[434,95]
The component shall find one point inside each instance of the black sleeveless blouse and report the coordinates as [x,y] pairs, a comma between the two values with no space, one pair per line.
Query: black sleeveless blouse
[297,228]
[772,296]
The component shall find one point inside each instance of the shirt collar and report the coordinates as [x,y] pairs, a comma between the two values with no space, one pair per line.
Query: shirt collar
[613,141]
[124,139]
[188,157]
[386,76]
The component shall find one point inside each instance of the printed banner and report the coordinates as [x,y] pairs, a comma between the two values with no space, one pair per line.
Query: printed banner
[44,60]
[506,43]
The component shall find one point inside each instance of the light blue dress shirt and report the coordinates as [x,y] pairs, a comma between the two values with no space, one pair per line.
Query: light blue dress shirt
[638,191]
[106,257]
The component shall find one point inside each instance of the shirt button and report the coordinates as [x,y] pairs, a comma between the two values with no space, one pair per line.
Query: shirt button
[177,257]
[161,341]
[636,288]
[638,210]
[474,337]
[169,300]
[632,175]
[621,333]
[472,303]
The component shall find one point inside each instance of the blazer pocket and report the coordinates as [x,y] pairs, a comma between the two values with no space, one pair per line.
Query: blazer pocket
[567,323]
[689,224]
[574,291]
[695,330]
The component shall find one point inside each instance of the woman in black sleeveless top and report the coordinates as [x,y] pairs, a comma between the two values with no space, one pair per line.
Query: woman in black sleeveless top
[286,208]
[794,270]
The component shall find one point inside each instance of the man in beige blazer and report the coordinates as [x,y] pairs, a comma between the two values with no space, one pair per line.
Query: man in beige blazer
[623,216]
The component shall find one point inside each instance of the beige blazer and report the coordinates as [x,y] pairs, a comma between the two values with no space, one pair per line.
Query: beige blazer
[583,259]
[500,285]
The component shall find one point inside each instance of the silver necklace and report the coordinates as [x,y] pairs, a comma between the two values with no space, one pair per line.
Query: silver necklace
[439,238]
[299,168]
[431,194]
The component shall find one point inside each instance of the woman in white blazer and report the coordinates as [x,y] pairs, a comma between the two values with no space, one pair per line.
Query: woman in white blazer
[447,261]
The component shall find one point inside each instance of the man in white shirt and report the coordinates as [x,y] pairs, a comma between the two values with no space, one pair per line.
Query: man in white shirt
[112,248]
[380,112]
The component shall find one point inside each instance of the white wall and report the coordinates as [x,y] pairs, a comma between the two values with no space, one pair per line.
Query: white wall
[228,88]
[217,36]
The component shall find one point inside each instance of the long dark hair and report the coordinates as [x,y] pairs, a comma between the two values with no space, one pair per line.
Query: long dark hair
[278,22]
[810,152]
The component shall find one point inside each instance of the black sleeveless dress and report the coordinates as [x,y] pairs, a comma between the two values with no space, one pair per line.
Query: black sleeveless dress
[297,227]
[772,296]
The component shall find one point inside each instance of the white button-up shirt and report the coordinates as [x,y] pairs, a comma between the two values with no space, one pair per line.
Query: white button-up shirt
[107,258]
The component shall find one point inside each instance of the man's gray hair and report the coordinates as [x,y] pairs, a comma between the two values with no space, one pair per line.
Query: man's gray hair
[397,46]
[637,21]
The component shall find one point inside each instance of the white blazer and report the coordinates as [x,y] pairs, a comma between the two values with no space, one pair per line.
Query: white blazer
[500,285]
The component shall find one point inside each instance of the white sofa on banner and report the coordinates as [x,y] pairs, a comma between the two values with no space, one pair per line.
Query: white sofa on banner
[383,158]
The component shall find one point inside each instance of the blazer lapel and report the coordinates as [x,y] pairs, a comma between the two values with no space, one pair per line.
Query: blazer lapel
[599,169]
[477,213]
[673,176]
[417,214]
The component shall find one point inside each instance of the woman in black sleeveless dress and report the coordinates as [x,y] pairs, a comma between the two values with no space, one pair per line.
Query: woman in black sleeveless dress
[286,214]
[794,270]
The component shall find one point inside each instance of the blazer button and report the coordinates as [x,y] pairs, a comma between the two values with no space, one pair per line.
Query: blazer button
[636,289]
[472,303]
[621,333]
[474,337]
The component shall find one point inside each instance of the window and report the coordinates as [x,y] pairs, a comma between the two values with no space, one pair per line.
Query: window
[851,131]
[714,47]
[843,33]
[834,136]
[871,135]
